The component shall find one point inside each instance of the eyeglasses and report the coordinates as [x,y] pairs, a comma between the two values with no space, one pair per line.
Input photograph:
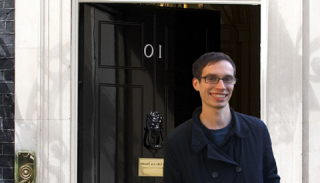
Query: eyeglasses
[215,80]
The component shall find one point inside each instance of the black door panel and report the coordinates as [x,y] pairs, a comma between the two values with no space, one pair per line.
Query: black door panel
[134,60]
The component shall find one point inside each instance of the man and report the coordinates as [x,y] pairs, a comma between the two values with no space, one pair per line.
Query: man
[218,144]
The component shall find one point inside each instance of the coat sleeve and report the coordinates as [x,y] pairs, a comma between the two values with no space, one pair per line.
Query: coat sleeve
[270,171]
[171,170]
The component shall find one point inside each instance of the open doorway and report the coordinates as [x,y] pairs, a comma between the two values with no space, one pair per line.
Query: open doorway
[126,70]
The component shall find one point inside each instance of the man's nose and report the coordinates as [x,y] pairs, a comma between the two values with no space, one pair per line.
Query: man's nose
[221,84]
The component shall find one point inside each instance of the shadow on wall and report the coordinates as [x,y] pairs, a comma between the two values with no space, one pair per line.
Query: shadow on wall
[292,75]
[49,117]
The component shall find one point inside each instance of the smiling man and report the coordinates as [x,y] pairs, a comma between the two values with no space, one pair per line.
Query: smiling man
[218,144]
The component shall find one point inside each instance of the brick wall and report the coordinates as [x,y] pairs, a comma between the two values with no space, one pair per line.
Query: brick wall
[6,91]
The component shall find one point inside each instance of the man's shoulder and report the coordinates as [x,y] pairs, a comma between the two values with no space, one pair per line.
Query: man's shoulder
[246,117]
[181,130]
[250,121]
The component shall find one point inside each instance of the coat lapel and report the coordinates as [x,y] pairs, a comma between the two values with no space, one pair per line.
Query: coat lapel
[199,139]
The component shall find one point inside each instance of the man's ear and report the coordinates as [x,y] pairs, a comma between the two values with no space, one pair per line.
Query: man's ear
[195,84]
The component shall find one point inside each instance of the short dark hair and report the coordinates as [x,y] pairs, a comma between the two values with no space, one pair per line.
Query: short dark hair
[209,59]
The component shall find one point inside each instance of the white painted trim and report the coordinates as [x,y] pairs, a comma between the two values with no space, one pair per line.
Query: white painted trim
[263,60]
[252,2]
[74,60]
[74,91]
[43,61]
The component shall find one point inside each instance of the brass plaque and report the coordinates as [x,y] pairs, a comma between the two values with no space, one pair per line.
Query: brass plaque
[150,167]
[25,171]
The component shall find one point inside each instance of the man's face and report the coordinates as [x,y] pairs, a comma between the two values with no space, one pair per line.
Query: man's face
[215,95]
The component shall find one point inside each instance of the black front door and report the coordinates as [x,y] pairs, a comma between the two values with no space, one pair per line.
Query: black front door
[133,60]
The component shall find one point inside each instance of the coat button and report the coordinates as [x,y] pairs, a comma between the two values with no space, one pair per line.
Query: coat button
[215,174]
[238,169]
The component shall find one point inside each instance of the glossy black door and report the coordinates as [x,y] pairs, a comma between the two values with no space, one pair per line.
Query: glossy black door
[134,60]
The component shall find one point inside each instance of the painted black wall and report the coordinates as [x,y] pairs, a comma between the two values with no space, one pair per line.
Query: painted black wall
[6,91]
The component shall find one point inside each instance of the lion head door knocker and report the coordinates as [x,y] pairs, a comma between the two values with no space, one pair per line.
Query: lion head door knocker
[153,139]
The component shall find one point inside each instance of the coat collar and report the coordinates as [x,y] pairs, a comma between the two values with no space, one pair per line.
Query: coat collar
[198,129]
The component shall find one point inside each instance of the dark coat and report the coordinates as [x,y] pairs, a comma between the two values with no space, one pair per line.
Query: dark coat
[191,156]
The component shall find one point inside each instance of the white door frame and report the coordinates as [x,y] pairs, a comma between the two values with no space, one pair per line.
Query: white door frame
[46,79]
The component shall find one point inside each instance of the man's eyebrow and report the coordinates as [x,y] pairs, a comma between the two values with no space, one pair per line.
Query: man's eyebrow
[214,75]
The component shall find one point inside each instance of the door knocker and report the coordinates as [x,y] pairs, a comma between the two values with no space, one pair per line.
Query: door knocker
[153,139]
